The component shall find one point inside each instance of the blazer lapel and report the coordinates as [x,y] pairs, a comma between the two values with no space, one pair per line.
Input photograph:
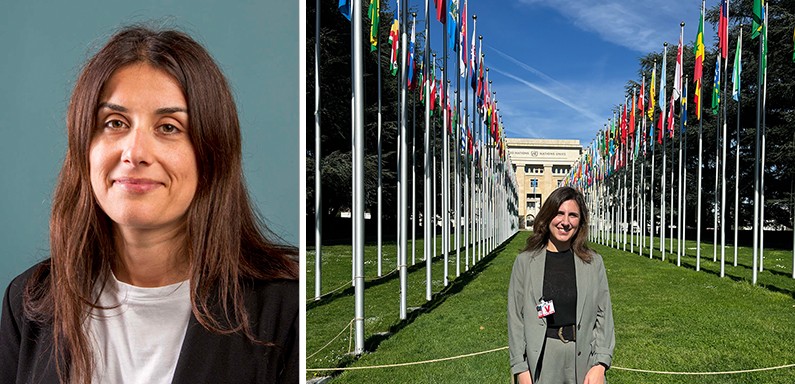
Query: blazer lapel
[583,279]
[537,263]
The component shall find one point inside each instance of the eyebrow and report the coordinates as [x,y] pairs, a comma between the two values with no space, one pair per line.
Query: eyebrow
[159,111]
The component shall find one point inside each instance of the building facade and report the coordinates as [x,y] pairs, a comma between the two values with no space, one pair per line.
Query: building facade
[540,166]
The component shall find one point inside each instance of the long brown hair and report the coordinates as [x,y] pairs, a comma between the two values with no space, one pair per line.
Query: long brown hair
[548,211]
[226,244]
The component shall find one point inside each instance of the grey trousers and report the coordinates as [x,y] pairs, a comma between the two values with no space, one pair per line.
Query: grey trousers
[556,365]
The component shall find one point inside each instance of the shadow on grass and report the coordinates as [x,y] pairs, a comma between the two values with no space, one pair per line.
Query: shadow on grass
[690,263]
[374,282]
[372,343]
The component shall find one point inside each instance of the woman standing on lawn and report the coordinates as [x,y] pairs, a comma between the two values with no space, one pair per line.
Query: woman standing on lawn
[560,320]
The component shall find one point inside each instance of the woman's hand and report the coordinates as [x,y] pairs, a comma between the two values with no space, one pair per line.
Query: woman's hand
[595,375]
[524,378]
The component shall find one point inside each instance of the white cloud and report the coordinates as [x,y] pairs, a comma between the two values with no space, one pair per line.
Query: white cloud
[641,26]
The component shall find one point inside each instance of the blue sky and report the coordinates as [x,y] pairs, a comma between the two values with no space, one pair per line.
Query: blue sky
[559,67]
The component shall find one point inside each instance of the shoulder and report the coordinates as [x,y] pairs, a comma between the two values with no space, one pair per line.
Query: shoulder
[16,289]
[272,303]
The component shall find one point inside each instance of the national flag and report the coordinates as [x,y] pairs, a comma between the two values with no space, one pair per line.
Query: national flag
[479,90]
[632,116]
[678,71]
[684,108]
[374,13]
[651,94]
[723,29]
[698,50]
[757,19]
[411,64]
[663,82]
[737,68]
[345,8]
[432,83]
[472,59]
[660,129]
[716,86]
[452,24]
[764,45]
[641,105]
[624,123]
[394,39]
[671,118]
[793,45]
[462,51]
[421,81]
[441,10]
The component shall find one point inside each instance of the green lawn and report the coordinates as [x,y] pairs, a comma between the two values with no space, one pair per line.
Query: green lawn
[668,318]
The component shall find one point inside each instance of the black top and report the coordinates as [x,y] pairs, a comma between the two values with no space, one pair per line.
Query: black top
[205,357]
[560,286]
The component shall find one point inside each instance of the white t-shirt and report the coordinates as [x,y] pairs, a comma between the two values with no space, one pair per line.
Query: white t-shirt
[139,340]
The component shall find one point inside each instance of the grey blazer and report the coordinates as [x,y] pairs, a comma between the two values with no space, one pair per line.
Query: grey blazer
[595,338]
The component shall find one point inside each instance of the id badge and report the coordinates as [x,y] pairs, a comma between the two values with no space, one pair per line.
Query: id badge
[545,308]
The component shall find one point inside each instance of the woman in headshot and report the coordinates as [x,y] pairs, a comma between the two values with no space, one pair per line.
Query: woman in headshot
[560,320]
[159,268]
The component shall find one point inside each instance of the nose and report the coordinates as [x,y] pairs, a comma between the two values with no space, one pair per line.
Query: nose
[136,148]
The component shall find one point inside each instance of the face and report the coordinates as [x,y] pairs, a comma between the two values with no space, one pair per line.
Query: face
[142,163]
[564,225]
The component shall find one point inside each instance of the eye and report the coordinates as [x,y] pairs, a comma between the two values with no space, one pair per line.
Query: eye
[168,129]
[114,124]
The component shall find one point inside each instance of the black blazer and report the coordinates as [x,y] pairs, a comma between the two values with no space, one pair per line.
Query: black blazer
[205,357]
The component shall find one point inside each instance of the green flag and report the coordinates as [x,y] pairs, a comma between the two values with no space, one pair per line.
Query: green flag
[716,86]
[374,13]
[757,19]
[738,68]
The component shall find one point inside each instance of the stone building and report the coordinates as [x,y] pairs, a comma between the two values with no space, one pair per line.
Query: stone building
[540,166]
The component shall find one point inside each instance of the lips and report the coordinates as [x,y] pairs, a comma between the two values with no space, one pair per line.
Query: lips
[136,185]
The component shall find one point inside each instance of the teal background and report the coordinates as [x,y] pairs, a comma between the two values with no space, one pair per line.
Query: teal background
[44,45]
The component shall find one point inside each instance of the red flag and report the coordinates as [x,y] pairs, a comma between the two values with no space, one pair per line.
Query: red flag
[441,10]
[624,124]
[641,106]
[671,118]
[632,118]
[723,28]
[660,129]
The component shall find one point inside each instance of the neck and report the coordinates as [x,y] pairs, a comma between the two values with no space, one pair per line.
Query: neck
[556,246]
[150,258]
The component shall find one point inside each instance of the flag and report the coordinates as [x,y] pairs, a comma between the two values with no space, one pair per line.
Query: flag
[663,82]
[660,129]
[394,38]
[678,71]
[462,51]
[452,24]
[374,13]
[737,68]
[684,108]
[441,10]
[641,106]
[764,44]
[651,94]
[716,86]
[671,118]
[411,64]
[624,123]
[472,59]
[793,45]
[632,116]
[432,83]
[723,28]
[345,8]
[697,72]
[757,19]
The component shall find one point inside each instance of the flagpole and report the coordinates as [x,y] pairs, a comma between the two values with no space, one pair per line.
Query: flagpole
[357,211]
[699,82]
[762,169]
[433,159]
[445,176]
[723,169]
[457,163]
[683,178]
[633,194]
[413,154]
[318,200]
[380,166]
[737,69]
[756,164]
[664,160]
[651,189]
[672,135]
[679,196]
[428,224]
[403,158]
